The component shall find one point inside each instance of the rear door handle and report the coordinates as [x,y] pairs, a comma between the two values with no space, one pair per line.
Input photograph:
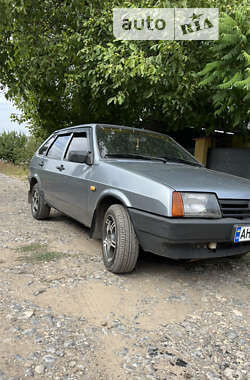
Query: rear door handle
[61,167]
[41,163]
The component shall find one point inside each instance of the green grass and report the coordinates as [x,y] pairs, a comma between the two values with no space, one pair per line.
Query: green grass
[37,253]
[31,248]
[11,170]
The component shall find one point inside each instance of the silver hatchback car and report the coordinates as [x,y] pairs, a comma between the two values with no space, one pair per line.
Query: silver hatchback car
[137,188]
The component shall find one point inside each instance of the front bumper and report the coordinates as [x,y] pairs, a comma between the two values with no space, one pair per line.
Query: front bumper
[187,238]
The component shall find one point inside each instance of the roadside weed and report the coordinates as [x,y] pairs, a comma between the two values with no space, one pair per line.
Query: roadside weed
[36,253]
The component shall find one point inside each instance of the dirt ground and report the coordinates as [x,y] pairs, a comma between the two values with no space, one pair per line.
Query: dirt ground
[63,316]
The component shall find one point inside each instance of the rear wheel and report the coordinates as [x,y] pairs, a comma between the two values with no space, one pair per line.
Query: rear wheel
[120,247]
[39,209]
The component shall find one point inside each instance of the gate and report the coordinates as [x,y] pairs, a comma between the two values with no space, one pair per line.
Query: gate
[234,161]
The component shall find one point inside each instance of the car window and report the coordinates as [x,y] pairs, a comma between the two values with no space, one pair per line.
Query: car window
[58,147]
[79,142]
[122,141]
[43,149]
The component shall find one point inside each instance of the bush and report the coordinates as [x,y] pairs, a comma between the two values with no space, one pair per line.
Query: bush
[17,147]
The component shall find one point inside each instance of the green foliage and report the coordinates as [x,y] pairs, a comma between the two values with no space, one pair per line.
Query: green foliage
[228,76]
[11,146]
[62,66]
[31,146]
[17,147]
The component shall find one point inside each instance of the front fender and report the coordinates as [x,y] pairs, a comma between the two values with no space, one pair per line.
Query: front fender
[113,193]
[98,212]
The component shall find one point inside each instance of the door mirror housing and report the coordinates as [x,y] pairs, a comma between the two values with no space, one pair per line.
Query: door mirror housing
[81,157]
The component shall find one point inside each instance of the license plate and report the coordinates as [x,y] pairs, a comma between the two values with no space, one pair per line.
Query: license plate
[242,233]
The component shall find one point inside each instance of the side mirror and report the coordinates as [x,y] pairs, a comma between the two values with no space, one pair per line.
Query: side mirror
[82,157]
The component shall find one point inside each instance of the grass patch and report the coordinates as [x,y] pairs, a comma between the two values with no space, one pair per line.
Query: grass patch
[38,257]
[37,253]
[11,170]
[32,248]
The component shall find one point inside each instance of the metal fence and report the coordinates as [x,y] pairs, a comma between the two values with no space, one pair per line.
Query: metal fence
[234,161]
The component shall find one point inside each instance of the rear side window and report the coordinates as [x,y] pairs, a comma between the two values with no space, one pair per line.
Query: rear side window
[78,143]
[58,147]
[43,149]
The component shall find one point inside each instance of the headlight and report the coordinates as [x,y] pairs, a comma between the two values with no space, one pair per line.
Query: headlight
[195,205]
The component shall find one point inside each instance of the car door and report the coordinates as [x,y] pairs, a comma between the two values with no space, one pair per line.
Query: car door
[52,168]
[74,179]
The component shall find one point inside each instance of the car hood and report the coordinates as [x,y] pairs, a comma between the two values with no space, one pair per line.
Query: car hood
[182,177]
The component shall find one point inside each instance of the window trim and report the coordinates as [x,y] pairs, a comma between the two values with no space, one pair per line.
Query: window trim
[53,137]
[63,152]
[83,130]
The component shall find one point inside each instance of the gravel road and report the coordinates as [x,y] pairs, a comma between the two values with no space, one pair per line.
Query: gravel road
[63,316]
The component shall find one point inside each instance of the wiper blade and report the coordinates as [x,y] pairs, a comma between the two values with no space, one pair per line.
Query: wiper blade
[182,161]
[136,156]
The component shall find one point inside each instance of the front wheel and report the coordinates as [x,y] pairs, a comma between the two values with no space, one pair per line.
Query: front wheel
[39,209]
[120,247]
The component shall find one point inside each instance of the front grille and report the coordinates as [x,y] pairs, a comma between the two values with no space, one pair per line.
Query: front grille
[235,208]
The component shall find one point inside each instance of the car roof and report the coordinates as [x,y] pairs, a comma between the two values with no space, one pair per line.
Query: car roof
[73,127]
[92,125]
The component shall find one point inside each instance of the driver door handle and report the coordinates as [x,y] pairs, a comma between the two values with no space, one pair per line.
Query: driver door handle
[60,168]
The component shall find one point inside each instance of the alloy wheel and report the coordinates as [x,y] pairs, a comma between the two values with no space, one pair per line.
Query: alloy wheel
[35,202]
[110,239]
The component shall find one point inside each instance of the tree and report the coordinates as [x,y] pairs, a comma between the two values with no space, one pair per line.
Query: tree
[12,145]
[17,147]
[227,77]
[62,66]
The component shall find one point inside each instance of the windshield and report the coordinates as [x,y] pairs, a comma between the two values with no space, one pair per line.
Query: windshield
[130,143]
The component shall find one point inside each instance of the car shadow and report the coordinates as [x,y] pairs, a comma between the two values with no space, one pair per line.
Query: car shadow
[58,217]
[152,264]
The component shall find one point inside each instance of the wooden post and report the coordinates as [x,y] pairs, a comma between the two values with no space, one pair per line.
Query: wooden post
[202,144]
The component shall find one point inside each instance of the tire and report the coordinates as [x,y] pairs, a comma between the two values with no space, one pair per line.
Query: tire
[39,209]
[120,247]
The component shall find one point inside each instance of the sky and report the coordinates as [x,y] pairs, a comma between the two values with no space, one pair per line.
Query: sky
[6,124]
